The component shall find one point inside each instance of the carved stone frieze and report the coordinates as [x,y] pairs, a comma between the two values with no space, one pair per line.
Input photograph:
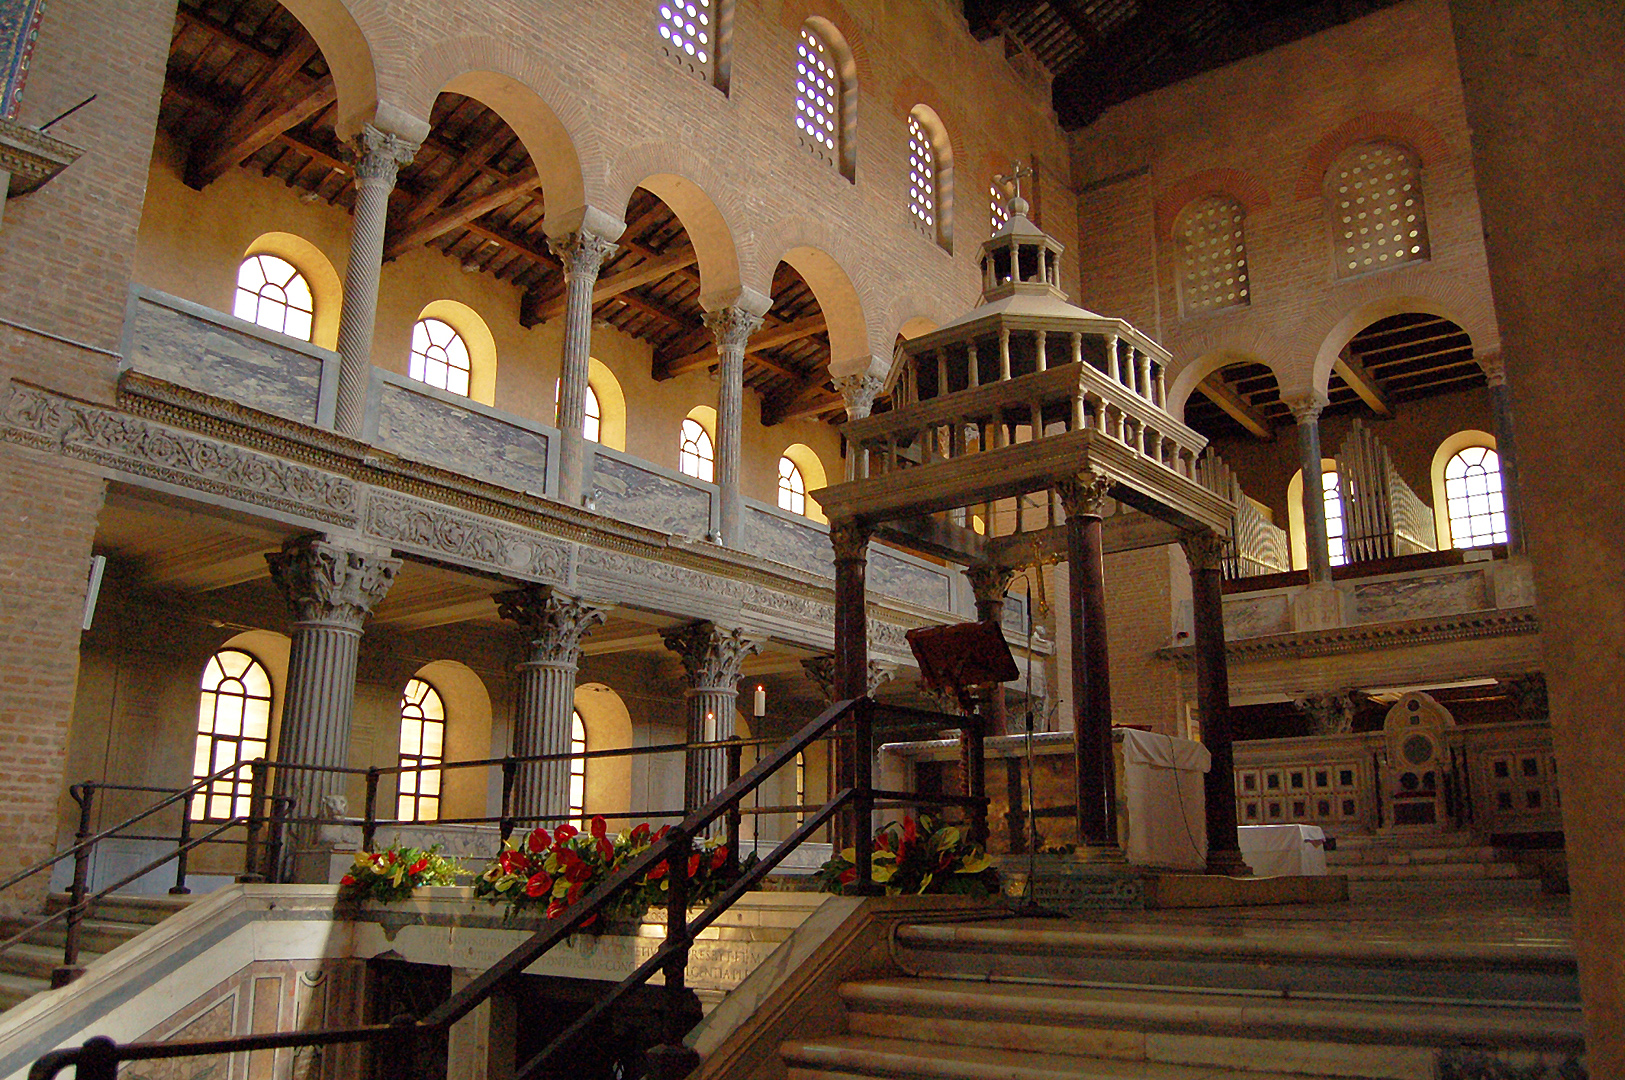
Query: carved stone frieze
[712,656]
[553,622]
[327,584]
[438,530]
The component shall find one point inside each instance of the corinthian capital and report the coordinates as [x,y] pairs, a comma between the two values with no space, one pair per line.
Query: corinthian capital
[712,656]
[1084,495]
[329,585]
[381,154]
[1494,368]
[732,326]
[859,391]
[821,670]
[850,538]
[1203,550]
[553,622]
[989,582]
[1305,407]
[582,252]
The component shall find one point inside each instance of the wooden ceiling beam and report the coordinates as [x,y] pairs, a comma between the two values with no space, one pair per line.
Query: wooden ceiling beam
[765,338]
[518,186]
[471,163]
[221,32]
[245,138]
[1362,382]
[644,273]
[1242,411]
[634,299]
[515,244]
[809,401]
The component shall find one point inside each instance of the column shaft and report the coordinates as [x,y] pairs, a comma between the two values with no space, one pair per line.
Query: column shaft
[583,254]
[1204,552]
[1314,502]
[316,713]
[732,328]
[713,657]
[1091,667]
[1506,449]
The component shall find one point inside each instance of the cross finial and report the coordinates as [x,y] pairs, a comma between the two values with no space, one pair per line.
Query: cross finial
[1018,173]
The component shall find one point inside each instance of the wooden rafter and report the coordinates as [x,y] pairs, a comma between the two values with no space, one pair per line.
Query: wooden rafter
[1362,382]
[522,184]
[274,102]
[643,273]
[1242,411]
[766,338]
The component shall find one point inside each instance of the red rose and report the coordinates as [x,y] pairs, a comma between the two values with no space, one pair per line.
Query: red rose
[719,857]
[538,841]
[693,864]
[539,885]
[418,867]
[346,880]
[599,828]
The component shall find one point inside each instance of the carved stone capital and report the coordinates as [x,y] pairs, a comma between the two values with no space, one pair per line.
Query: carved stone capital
[712,656]
[1305,407]
[1329,712]
[821,670]
[1495,369]
[553,622]
[732,326]
[582,253]
[1084,495]
[989,583]
[1203,550]
[381,154]
[329,585]
[859,391]
[850,539]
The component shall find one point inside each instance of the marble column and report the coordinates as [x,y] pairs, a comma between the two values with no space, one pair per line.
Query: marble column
[1506,449]
[583,254]
[331,588]
[732,327]
[850,539]
[1204,552]
[988,584]
[553,624]
[713,657]
[859,392]
[379,160]
[1084,499]
[1306,411]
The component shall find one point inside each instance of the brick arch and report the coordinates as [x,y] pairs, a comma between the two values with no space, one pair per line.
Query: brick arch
[689,184]
[1455,301]
[1405,128]
[825,263]
[349,56]
[914,91]
[794,13]
[1200,358]
[1241,186]
[553,121]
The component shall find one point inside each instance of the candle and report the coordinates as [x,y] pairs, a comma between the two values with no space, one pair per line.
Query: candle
[761,700]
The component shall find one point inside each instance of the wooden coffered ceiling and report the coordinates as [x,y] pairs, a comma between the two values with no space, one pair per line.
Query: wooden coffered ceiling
[248,88]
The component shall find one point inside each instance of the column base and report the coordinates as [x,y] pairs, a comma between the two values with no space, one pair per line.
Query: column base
[1227,864]
[1100,855]
[309,863]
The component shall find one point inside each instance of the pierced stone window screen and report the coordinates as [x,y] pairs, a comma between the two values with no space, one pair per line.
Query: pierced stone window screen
[233,727]
[696,457]
[1472,485]
[271,292]
[592,424]
[792,488]
[922,178]
[998,213]
[688,35]
[1212,256]
[818,98]
[578,769]
[1331,493]
[423,742]
[439,356]
[1377,215]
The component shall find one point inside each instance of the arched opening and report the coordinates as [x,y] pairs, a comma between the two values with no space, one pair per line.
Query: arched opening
[825,84]
[1332,500]
[809,472]
[931,176]
[1374,200]
[1211,246]
[1237,399]
[236,710]
[696,448]
[607,725]
[422,750]
[1469,509]
[467,735]
[326,291]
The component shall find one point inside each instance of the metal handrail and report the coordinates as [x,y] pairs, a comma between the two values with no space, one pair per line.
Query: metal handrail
[98,1058]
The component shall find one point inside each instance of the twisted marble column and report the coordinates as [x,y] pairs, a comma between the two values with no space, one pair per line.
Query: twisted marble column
[1204,551]
[713,658]
[554,625]
[331,589]
[732,328]
[583,254]
[381,157]
[1084,497]
[1306,411]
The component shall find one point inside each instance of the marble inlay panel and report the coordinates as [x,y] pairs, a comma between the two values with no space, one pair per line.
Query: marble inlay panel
[424,428]
[803,546]
[1255,616]
[1421,597]
[647,498]
[922,585]
[206,356]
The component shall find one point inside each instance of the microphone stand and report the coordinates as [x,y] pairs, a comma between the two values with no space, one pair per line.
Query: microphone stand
[1030,907]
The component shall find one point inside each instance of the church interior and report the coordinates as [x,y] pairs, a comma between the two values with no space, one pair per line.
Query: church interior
[424,422]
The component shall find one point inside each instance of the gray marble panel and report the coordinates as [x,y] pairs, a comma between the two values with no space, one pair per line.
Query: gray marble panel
[424,428]
[925,586]
[1421,597]
[194,352]
[803,546]
[1254,616]
[648,498]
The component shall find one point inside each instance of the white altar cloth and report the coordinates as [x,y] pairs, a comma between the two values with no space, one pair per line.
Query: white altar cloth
[1162,801]
[1272,850]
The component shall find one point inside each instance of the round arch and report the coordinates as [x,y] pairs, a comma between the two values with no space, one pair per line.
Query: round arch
[672,182]
[1448,449]
[942,148]
[468,734]
[839,302]
[611,404]
[1295,527]
[813,473]
[482,346]
[1191,375]
[609,727]
[1344,330]
[344,47]
[326,290]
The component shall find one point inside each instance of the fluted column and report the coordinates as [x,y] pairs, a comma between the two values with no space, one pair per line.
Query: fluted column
[379,161]
[1506,450]
[583,254]
[331,589]
[732,327]
[553,624]
[1306,411]
[713,658]
[1204,552]
[1084,499]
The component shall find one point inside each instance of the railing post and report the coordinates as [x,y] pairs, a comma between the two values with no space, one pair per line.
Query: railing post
[280,805]
[734,754]
[975,764]
[369,824]
[510,770]
[673,1060]
[182,851]
[863,793]
[258,792]
[69,970]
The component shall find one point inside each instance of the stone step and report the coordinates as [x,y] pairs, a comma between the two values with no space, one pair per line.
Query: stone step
[94,935]
[1465,871]
[137,910]
[16,989]
[1166,957]
[1375,855]
[1434,840]
[35,961]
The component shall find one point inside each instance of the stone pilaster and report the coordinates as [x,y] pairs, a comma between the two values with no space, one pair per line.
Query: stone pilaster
[553,625]
[1306,411]
[732,327]
[583,254]
[379,159]
[713,657]
[331,589]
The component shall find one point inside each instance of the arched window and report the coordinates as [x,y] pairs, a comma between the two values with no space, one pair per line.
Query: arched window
[578,768]
[1472,484]
[1212,256]
[792,488]
[922,179]
[592,424]
[696,457]
[233,727]
[1375,196]
[423,742]
[1332,493]
[439,356]
[271,292]
[688,35]
[998,214]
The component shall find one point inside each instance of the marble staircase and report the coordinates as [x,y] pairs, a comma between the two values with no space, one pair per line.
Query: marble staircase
[1440,857]
[25,969]
[1042,1000]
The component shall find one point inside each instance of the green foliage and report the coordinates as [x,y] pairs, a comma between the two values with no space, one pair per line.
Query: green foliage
[912,858]
[393,873]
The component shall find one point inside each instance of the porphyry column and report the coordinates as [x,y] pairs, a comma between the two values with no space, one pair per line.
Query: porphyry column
[583,254]
[379,161]
[331,588]
[713,658]
[732,327]
[1204,552]
[1084,498]
[554,625]
[1306,411]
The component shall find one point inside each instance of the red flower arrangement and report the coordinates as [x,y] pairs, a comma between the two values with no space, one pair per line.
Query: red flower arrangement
[550,871]
[917,857]
[393,873]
